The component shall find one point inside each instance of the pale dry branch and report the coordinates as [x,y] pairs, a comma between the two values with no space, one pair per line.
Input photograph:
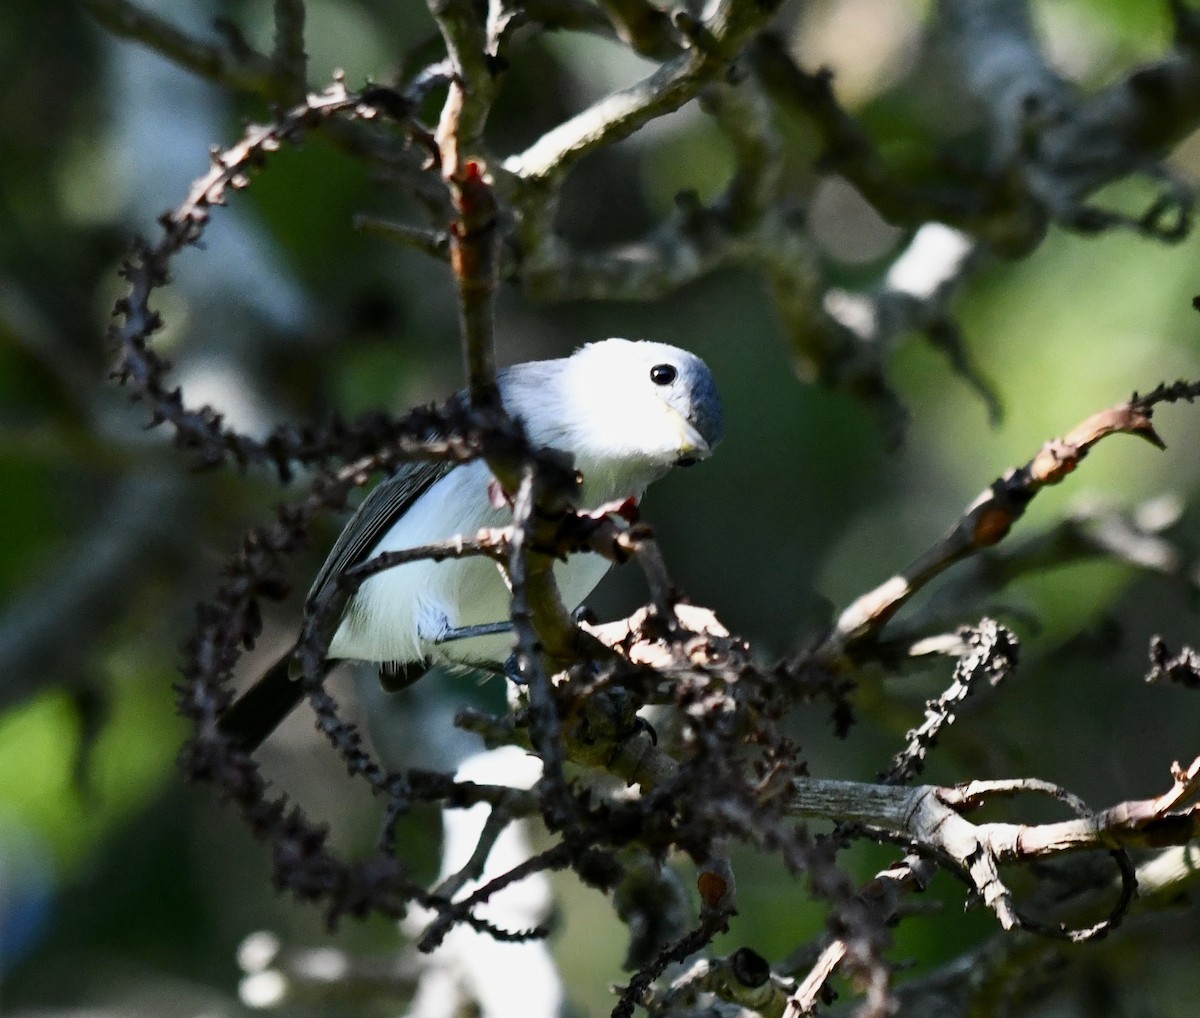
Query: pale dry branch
[1089,531]
[987,981]
[881,898]
[987,520]
[977,851]
[930,819]
[615,117]
[537,172]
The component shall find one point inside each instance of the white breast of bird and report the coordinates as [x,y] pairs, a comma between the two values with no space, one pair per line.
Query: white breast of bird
[400,614]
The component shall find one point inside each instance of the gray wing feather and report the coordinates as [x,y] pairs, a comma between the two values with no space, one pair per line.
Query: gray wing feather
[393,497]
[385,504]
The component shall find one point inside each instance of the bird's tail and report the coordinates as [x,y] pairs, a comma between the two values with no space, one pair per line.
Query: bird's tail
[252,718]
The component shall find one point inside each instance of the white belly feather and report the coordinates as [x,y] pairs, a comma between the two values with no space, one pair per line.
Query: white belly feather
[398,615]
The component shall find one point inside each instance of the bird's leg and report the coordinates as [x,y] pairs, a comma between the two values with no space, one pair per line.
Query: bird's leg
[585,615]
[469,632]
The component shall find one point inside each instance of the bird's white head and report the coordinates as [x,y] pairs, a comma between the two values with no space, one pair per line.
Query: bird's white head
[632,408]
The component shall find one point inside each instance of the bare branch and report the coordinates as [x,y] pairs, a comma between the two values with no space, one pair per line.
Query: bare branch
[1060,149]
[240,68]
[992,652]
[989,518]
[623,112]
[930,819]
[434,243]
[879,899]
[537,609]
[728,769]
[474,257]
[144,371]
[473,87]
[570,16]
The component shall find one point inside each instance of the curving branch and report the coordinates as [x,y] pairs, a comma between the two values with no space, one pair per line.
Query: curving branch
[239,67]
[988,519]
[1010,967]
[930,821]
[143,371]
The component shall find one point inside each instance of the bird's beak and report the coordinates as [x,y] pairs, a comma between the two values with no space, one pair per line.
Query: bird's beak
[693,447]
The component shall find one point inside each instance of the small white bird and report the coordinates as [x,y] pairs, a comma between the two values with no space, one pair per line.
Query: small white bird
[626,411]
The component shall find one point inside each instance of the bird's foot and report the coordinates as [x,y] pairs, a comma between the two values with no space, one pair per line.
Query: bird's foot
[584,614]
[512,670]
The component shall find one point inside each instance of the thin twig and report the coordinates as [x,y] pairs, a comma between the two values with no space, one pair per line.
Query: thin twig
[990,517]
[243,69]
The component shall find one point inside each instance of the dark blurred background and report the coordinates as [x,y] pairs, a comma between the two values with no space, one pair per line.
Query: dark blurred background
[123,891]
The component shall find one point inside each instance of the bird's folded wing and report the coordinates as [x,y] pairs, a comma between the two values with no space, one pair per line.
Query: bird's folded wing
[379,511]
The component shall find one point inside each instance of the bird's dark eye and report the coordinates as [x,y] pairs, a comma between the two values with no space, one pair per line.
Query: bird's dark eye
[663,374]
